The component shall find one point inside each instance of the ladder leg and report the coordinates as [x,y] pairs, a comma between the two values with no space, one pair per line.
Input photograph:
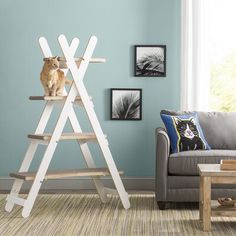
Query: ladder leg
[39,179]
[78,75]
[90,164]
[115,175]
[29,154]
[104,146]
[66,109]
[88,157]
[97,181]
[75,124]
[24,167]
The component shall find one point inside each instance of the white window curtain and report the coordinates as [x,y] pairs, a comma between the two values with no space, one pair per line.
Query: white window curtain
[195,70]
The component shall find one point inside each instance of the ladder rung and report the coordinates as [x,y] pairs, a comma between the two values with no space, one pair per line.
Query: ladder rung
[58,174]
[65,136]
[54,98]
[16,200]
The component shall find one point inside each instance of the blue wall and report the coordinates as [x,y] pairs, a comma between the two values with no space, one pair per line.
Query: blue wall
[118,25]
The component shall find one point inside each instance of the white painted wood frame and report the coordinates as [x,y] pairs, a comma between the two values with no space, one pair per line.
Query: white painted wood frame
[67,111]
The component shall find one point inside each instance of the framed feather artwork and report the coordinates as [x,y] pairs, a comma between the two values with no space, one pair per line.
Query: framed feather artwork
[150,61]
[126,104]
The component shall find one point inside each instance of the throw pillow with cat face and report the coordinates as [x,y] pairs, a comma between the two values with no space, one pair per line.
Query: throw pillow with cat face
[188,135]
[185,133]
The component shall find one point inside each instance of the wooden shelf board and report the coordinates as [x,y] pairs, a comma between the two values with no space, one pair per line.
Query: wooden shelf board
[79,59]
[228,165]
[65,136]
[58,174]
[223,211]
[228,162]
[63,64]
[52,98]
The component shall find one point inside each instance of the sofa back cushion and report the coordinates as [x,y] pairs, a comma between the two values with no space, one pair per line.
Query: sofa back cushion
[219,128]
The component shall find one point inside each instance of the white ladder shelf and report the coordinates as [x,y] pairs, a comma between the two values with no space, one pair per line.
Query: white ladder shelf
[76,94]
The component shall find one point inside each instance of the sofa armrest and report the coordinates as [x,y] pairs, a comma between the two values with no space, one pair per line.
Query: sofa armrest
[162,154]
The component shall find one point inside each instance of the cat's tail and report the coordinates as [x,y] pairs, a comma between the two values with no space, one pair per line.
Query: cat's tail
[68,81]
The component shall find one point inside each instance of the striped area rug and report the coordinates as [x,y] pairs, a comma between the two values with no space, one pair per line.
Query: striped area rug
[84,214]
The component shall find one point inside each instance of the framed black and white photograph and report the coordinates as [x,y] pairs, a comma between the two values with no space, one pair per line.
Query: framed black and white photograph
[150,61]
[126,104]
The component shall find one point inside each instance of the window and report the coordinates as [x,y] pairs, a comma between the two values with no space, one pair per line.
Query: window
[208,55]
[222,45]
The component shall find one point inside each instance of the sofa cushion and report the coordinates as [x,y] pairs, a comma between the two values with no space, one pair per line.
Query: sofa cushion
[219,128]
[185,163]
[184,132]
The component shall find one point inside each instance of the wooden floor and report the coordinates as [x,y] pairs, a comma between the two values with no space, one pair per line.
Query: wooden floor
[84,214]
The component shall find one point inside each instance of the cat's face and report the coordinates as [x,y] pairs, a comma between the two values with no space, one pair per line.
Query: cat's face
[53,63]
[186,128]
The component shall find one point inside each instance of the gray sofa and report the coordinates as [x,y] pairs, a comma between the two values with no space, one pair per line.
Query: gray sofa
[177,177]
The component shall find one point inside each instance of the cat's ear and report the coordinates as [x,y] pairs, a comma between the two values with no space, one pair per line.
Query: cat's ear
[176,120]
[193,121]
[57,58]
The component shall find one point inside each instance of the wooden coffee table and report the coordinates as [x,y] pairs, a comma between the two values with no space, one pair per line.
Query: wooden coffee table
[211,174]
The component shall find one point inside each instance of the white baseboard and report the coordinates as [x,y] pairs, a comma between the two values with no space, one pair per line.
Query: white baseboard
[130,183]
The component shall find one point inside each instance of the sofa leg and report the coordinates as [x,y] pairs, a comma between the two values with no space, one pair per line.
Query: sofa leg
[161,205]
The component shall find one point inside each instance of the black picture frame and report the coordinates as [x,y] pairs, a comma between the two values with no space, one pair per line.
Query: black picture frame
[122,98]
[150,60]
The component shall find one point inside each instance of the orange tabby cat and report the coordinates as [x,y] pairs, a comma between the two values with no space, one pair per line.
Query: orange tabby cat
[52,78]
